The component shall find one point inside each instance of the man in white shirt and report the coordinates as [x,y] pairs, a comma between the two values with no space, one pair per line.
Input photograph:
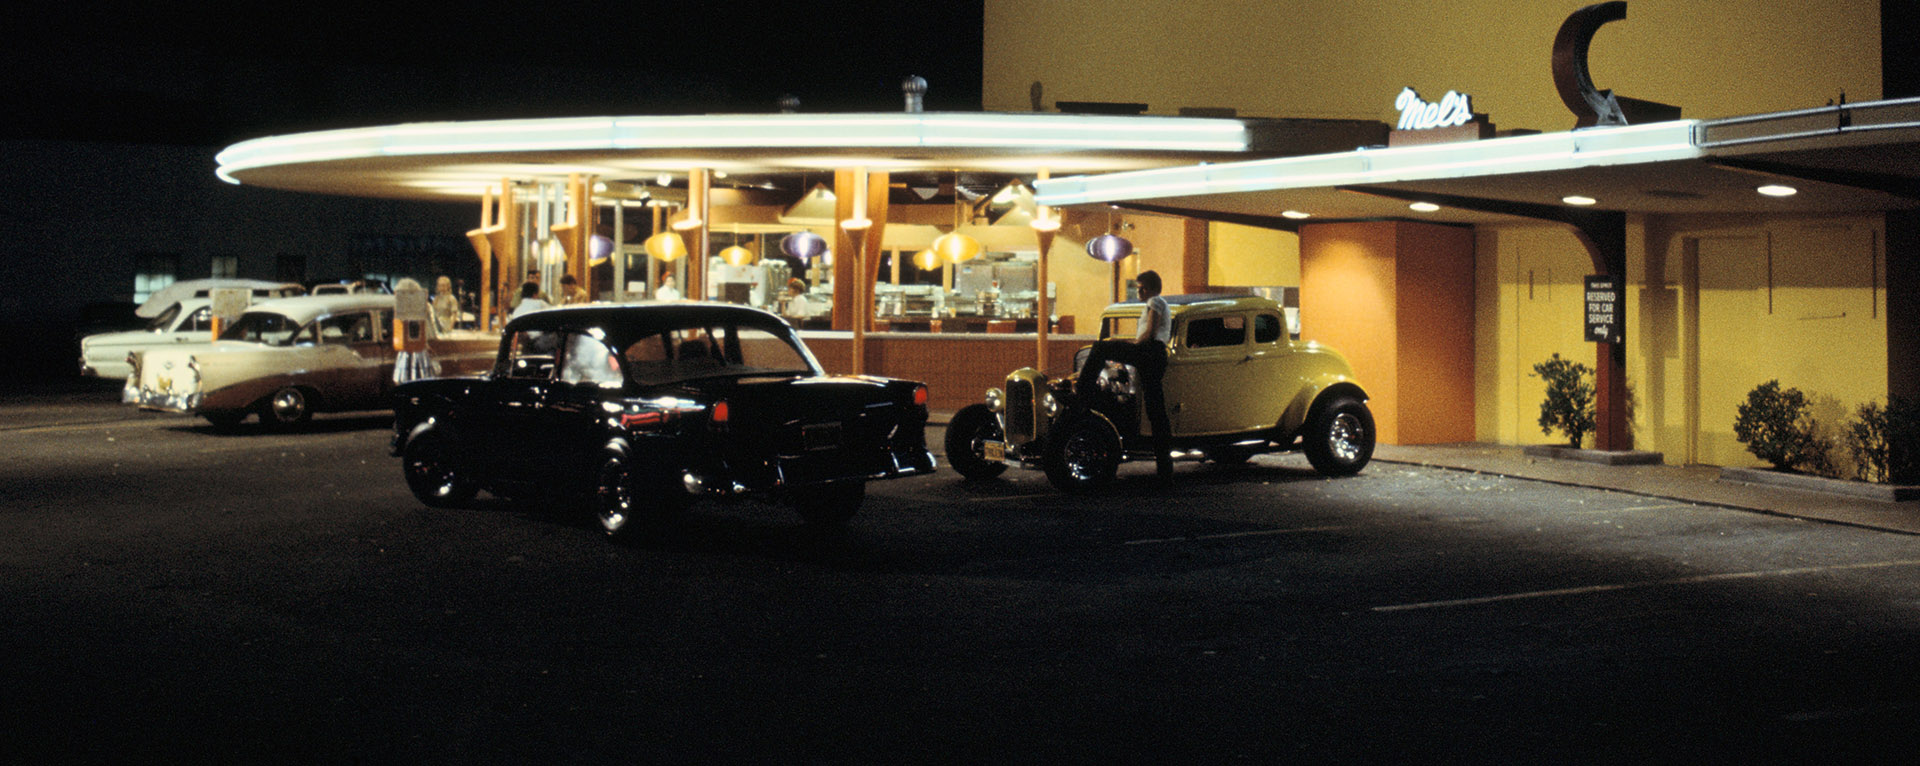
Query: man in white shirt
[667,291]
[1147,352]
[530,300]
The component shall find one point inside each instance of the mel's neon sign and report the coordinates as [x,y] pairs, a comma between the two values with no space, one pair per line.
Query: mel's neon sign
[1455,108]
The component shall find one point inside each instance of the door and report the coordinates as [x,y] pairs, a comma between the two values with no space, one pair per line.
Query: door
[1273,372]
[1208,375]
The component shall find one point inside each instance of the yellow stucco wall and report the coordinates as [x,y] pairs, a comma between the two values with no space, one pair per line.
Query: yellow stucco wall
[1348,58]
[1716,306]
[1247,256]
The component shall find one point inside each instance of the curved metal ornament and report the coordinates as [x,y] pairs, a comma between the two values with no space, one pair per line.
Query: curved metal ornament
[1570,76]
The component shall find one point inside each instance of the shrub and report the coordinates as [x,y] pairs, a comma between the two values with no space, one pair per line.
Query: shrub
[1776,427]
[1885,443]
[1568,407]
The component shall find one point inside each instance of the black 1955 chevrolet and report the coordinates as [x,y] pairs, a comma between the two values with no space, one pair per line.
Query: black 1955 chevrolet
[646,407]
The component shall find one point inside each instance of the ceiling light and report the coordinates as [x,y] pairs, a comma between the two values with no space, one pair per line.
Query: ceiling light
[1424,207]
[1576,199]
[1777,190]
[1295,215]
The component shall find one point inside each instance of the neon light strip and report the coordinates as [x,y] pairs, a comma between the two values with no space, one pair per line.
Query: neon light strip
[924,130]
[1554,151]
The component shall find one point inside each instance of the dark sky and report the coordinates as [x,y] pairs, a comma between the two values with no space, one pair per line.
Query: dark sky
[187,73]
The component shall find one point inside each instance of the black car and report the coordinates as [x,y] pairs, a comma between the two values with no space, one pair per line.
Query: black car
[646,407]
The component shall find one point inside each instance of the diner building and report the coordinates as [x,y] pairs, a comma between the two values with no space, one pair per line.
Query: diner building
[1427,188]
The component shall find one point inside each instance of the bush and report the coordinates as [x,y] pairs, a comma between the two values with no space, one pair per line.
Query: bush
[1569,404]
[1885,443]
[1776,427]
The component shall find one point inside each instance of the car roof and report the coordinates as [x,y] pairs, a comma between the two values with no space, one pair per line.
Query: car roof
[306,308]
[178,291]
[640,319]
[1196,303]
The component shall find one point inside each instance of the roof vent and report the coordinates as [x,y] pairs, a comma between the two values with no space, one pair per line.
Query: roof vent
[915,87]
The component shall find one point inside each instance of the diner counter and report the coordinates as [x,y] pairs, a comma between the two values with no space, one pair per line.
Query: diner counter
[958,368]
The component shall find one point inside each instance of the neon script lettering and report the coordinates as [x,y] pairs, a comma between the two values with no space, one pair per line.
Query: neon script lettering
[1455,108]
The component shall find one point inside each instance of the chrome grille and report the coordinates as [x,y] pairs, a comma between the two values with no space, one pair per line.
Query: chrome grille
[1020,425]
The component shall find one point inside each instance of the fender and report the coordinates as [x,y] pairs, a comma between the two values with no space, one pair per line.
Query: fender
[1314,396]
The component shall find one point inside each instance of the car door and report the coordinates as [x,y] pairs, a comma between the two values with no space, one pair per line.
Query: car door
[572,420]
[1205,384]
[356,359]
[499,422]
[1273,371]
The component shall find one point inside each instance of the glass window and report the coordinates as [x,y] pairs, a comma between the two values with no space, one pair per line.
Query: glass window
[224,266]
[530,355]
[1266,328]
[590,362]
[200,321]
[1212,332]
[152,272]
[264,327]
[347,328]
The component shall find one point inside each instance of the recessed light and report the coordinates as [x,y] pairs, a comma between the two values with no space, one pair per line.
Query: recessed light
[1424,207]
[1295,214]
[1576,199]
[1777,190]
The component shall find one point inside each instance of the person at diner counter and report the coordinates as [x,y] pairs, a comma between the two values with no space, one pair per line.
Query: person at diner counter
[797,306]
[530,300]
[446,306]
[1147,352]
[533,278]
[667,291]
[570,291]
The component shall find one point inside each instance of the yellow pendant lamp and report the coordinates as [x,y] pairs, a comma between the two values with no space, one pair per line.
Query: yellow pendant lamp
[666,246]
[738,256]
[927,260]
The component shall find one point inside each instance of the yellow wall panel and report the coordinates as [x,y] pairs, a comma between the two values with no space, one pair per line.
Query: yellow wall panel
[1247,256]
[1348,58]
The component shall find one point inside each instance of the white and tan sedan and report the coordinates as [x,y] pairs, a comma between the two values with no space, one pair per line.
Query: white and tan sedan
[289,358]
[104,355]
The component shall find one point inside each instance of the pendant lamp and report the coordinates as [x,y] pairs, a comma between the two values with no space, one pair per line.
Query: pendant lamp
[666,246]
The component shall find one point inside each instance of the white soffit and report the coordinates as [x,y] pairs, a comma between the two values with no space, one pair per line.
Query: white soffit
[1589,148]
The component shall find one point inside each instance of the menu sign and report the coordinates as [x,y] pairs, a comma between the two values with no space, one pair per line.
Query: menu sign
[1604,323]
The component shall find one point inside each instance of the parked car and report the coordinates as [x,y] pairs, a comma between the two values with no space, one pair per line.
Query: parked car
[165,297]
[646,407]
[290,358]
[1235,386]
[104,355]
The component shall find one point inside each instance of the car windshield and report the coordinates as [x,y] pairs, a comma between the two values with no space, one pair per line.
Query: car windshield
[164,322]
[263,327]
[689,353]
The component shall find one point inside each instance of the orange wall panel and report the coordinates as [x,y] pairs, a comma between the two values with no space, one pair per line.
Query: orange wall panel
[1348,300]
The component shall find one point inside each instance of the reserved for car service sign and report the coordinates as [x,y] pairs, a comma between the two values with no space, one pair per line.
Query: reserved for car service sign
[1604,324]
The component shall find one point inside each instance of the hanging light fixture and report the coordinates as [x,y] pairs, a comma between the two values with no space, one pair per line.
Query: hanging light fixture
[738,256]
[803,244]
[926,260]
[1109,247]
[666,246]
[954,247]
[815,208]
[599,249]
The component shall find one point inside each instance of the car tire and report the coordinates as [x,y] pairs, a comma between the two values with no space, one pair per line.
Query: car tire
[972,426]
[225,420]
[829,505]
[433,472]
[1339,438]
[1082,454]
[288,406]
[626,504]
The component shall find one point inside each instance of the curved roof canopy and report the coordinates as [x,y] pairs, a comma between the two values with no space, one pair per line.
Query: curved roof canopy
[460,159]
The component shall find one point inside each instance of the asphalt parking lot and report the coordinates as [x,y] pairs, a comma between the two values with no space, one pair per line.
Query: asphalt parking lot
[172,593]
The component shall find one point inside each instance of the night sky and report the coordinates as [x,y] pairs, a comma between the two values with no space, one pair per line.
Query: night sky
[186,73]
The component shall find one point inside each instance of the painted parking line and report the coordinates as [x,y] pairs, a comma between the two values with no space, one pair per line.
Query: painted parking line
[1669,582]
[1231,535]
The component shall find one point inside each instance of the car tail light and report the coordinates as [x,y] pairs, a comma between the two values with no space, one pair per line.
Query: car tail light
[720,413]
[920,396]
[642,419]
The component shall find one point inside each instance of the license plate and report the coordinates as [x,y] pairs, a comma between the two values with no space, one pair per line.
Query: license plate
[995,451]
[820,436]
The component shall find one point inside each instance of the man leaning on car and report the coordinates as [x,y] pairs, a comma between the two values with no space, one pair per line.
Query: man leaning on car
[1147,352]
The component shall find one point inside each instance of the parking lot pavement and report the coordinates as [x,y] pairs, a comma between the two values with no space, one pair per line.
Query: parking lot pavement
[1693,484]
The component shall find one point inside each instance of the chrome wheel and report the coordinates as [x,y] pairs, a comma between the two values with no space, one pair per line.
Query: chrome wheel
[433,475]
[613,496]
[1339,439]
[1083,454]
[287,406]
